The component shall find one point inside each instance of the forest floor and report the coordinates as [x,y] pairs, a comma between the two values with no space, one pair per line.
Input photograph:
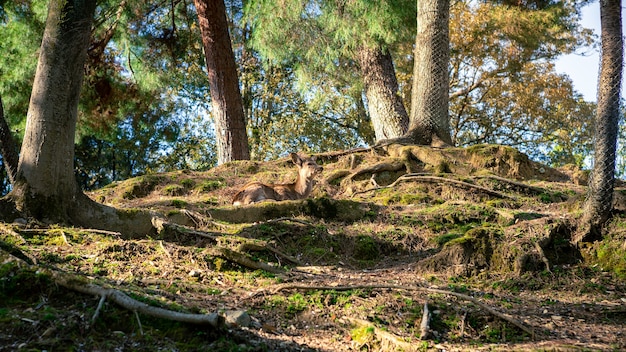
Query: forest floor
[482,237]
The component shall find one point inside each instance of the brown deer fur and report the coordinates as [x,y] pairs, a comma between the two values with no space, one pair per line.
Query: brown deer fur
[256,191]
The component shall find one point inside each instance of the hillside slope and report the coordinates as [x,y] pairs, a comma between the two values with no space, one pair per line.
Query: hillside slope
[480,235]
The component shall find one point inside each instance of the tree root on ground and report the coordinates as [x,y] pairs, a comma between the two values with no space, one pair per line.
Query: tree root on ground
[438,179]
[487,308]
[392,166]
[528,188]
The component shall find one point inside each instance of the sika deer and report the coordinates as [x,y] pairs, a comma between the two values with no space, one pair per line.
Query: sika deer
[256,191]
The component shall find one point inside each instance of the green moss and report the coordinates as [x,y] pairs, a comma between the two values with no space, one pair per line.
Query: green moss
[140,186]
[363,335]
[365,248]
[443,239]
[611,256]
[188,183]
[174,190]
[210,185]
[178,203]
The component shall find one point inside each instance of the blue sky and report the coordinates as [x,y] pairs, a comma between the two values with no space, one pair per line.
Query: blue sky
[583,67]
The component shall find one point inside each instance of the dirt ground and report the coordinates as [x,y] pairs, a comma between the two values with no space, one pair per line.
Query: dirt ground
[482,238]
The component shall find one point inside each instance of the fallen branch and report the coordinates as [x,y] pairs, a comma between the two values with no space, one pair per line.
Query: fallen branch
[437,179]
[243,260]
[126,302]
[487,308]
[424,326]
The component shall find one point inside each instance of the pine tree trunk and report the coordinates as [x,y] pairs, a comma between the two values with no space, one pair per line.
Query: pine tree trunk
[227,104]
[388,114]
[45,185]
[429,95]
[599,204]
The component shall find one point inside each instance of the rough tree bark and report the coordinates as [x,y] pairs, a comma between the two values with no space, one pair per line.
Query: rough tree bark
[429,95]
[387,113]
[45,182]
[227,104]
[599,203]
[45,187]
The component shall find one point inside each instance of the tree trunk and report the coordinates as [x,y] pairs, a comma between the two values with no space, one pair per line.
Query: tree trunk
[45,183]
[388,114]
[429,95]
[228,115]
[599,204]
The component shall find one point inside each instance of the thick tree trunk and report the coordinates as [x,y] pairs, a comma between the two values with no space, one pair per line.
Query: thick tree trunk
[228,114]
[388,114]
[599,204]
[45,184]
[429,95]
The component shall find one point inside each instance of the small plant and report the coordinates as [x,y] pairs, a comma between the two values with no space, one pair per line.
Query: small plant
[363,335]
[296,303]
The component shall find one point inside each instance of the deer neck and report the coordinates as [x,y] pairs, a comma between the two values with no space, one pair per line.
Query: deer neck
[303,185]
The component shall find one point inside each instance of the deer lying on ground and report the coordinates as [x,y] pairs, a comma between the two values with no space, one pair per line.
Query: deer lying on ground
[256,191]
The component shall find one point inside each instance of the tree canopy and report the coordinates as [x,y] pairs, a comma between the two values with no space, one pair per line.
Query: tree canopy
[145,105]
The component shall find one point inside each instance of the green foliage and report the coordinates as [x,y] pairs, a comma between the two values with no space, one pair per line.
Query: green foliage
[145,105]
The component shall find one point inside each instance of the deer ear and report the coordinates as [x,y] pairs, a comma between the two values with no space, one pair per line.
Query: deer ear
[314,158]
[295,158]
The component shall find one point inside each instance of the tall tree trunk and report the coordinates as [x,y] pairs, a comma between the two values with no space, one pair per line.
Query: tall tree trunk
[429,95]
[228,114]
[45,183]
[388,114]
[599,204]
[7,147]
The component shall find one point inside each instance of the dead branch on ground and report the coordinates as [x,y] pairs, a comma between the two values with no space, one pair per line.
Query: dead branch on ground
[126,302]
[424,325]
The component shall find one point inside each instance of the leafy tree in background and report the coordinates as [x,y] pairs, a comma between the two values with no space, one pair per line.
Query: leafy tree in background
[145,100]
[503,87]
[332,39]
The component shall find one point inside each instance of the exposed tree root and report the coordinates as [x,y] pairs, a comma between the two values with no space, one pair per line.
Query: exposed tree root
[487,308]
[437,179]
[528,188]
[376,168]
